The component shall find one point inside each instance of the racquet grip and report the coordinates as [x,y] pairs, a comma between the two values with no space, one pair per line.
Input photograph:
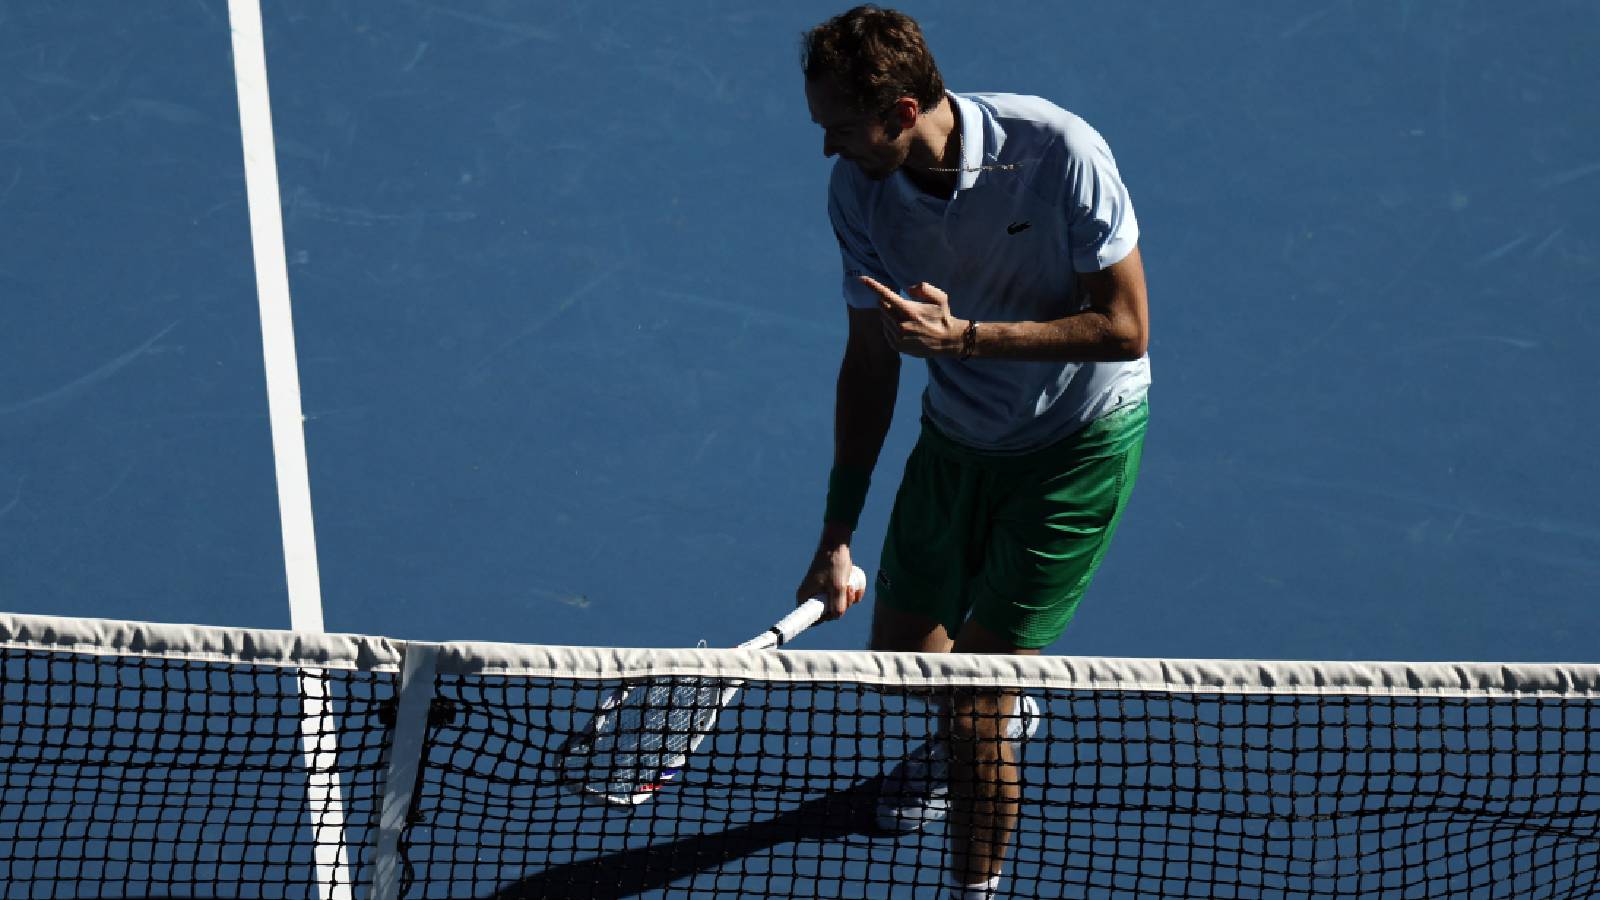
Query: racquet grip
[806,614]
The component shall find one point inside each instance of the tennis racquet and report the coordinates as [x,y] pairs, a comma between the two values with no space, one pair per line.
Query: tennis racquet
[643,732]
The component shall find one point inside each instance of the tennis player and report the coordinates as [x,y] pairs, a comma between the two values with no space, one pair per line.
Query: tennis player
[992,236]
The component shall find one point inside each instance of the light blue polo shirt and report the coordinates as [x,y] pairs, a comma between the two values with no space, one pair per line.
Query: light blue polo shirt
[1006,246]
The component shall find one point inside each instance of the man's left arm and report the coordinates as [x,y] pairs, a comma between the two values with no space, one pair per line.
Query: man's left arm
[1113,325]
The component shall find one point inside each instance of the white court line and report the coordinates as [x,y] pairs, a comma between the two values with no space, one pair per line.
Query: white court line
[318,735]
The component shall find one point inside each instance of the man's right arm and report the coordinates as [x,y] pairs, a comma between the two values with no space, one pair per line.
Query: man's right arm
[869,380]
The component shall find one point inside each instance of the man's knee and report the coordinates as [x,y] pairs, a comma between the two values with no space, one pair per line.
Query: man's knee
[976,726]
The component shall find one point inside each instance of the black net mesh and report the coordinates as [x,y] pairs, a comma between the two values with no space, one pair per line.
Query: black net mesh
[131,776]
[124,775]
[1150,794]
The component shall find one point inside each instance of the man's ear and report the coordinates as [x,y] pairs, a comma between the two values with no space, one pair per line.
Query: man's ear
[903,114]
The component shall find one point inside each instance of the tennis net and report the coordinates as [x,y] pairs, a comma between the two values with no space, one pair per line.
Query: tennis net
[172,761]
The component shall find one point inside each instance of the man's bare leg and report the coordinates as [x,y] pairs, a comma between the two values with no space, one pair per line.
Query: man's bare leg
[985,783]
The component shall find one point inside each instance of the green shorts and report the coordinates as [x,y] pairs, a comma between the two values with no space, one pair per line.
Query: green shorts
[1010,540]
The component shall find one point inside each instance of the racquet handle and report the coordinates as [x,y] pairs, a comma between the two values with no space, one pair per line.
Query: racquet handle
[804,616]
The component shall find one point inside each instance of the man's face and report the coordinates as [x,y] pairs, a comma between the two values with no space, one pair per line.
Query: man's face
[863,139]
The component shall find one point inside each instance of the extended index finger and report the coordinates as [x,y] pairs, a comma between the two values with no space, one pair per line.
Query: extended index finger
[889,302]
[884,294]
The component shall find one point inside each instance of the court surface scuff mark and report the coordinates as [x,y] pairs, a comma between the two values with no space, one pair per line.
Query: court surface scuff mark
[78,385]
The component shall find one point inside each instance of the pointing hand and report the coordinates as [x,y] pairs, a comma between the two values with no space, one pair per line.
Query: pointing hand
[919,326]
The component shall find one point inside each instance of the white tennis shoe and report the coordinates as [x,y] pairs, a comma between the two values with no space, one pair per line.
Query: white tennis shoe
[916,793]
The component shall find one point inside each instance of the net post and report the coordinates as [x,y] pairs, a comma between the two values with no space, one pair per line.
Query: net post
[404,759]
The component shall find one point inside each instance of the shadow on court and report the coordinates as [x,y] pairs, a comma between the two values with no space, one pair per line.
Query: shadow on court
[629,873]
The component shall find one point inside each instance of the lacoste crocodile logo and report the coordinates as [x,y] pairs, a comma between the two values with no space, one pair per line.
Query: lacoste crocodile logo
[1017,227]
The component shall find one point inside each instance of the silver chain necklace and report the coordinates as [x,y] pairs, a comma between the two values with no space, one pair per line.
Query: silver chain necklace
[993,167]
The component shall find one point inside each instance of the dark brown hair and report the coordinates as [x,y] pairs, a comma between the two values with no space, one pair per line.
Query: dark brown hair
[873,57]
